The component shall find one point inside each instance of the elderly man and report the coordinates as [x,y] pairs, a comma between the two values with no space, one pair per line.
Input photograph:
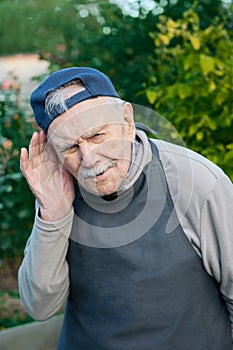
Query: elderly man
[134,234]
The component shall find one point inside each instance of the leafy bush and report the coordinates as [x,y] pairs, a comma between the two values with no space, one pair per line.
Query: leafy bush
[16,201]
[191,84]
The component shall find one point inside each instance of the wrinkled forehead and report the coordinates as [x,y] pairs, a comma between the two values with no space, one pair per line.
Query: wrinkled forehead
[86,116]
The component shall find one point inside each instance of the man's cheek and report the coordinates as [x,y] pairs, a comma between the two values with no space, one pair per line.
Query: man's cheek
[71,166]
[113,149]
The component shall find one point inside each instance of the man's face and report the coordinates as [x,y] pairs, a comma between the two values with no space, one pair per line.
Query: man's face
[93,141]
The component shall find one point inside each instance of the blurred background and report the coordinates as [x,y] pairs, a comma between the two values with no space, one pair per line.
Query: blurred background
[174,57]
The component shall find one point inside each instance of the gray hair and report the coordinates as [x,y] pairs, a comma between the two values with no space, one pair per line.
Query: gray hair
[56,99]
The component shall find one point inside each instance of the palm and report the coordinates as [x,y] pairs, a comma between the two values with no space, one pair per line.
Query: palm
[51,184]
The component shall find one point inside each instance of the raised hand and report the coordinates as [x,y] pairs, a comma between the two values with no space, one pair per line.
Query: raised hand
[50,183]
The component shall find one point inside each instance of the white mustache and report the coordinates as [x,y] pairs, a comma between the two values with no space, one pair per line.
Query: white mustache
[97,170]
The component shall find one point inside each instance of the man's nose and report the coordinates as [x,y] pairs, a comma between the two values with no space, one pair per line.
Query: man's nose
[89,155]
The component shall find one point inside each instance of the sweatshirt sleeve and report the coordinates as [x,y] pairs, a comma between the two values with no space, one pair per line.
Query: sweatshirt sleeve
[216,238]
[43,276]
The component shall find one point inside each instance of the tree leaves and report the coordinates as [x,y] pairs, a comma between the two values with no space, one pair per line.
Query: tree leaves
[195,41]
[151,95]
[207,64]
[194,74]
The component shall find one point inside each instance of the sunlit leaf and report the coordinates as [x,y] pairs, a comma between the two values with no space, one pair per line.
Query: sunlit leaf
[188,62]
[193,129]
[228,157]
[195,42]
[184,91]
[207,64]
[151,95]
[172,24]
[165,39]
[199,135]
[212,86]
[221,97]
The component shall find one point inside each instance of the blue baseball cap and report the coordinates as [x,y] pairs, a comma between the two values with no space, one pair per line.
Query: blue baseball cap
[95,83]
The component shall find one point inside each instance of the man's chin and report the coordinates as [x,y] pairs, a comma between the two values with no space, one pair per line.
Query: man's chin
[100,191]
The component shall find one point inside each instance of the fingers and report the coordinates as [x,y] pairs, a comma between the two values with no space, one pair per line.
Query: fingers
[42,140]
[23,160]
[36,147]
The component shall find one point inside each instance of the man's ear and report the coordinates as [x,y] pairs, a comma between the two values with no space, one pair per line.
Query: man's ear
[129,119]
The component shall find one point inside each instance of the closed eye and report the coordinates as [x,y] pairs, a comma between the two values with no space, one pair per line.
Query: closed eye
[96,137]
[68,147]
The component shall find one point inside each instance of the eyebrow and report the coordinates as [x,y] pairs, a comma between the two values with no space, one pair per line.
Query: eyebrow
[66,147]
[92,132]
[86,135]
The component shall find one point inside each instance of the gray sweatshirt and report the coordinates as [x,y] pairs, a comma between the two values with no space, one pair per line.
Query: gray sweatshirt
[205,214]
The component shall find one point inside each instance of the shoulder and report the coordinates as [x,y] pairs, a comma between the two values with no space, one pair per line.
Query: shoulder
[191,179]
[189,166]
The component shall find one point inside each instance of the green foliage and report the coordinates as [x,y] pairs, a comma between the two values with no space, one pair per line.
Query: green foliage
[16,201]
[11,310]
[94,33]
[191,84]
[24,25]
[205,9]
[100,35]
